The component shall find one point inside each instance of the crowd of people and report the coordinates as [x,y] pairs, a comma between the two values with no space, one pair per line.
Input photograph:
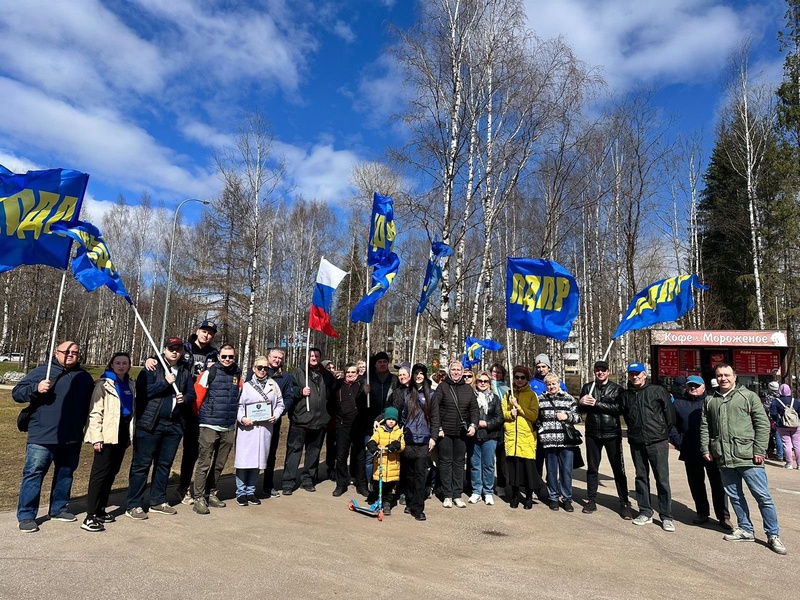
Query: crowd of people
[451,434]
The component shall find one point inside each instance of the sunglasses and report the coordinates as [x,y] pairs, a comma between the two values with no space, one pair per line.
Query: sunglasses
[467,376]
[226,357]
[520,377]
[483,381]
[260,368]
[352,372]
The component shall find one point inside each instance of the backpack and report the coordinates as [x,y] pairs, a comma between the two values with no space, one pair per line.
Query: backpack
[789,418]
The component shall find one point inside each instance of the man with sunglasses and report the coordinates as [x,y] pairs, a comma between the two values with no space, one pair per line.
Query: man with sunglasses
[59,407]
[603,431]
[217,405]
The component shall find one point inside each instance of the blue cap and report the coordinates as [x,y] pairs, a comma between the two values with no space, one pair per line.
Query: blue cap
[208,324]
[636,368]
[695,379]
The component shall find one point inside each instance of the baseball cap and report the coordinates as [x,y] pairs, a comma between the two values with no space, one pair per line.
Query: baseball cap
[636,368]
[208,324]
[601,364]
[173,341]
[695,379]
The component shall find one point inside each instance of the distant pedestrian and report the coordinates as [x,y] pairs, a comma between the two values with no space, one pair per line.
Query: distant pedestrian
[784,411]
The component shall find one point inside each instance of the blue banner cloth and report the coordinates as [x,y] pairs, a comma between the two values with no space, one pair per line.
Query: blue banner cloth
[31,204]
[542,297]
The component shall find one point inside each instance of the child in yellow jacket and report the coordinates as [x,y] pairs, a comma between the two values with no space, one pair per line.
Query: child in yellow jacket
[389,437]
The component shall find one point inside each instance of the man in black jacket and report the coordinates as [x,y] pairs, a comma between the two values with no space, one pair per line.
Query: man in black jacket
[649,415]
[603,430]
[307,420]
[160,415]
[348,398]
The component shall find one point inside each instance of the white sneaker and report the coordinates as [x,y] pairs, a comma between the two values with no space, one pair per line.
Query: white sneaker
[739,535]
[642,520]
[459,503]
[788,466]
[489,499]
[447,503]
[474,499]
[668,525]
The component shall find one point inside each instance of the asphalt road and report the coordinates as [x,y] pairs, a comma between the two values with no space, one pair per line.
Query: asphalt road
[311,546]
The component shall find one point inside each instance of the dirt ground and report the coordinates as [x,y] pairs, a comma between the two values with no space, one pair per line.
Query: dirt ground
[310,545]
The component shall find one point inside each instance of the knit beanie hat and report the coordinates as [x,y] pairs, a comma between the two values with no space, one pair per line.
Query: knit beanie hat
[544,359]
[774,386]
[391,413]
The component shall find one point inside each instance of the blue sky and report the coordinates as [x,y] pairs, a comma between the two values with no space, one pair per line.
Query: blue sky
[139,93]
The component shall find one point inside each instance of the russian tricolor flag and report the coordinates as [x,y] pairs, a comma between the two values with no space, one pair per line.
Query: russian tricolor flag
[328,279]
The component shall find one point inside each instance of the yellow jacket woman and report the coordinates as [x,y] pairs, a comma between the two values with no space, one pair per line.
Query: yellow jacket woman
[520,433]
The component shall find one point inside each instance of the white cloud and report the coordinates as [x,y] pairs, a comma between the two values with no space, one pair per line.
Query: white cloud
[344,31]
[319,172]
[381,91]
[100,143]
[665,42]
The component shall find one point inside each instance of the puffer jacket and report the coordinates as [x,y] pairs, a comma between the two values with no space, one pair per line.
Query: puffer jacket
[384,436]
[444,414]
[734,428]
[217,390]
[153,393]
[520,433]
[602,419]
[685,435]
[648,413]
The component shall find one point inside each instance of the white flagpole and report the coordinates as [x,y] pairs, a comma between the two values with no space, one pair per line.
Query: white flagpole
[368,361]
[159,353]
[414,343]
[308,344]
[510,371]
[605,357]
[55,321]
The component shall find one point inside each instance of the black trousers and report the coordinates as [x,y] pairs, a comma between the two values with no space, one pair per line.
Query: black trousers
[613,448]
[330,449]
[452,456]
[696,476]
[656,457]
[269,473]
[349,444]
[297,439]
[105,467]
[191,447]
[416,476]
[500,460]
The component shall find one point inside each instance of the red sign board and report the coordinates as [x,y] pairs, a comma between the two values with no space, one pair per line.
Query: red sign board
[756,362]
[669,363]
[690,361]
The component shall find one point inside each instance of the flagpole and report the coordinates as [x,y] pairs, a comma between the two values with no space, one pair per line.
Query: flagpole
[510,368]
[159,353]
[308,344]
[368,361]
[58,316]
[605,357]
[414,343]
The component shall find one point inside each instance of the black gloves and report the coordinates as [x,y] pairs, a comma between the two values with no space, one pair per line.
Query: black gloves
[394,446]
[372,446]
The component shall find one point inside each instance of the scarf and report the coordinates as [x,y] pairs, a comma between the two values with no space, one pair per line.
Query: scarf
[123,392]
[483,402]
[260,383]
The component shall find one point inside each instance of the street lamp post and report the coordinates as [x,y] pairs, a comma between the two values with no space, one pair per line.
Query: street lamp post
[171,255]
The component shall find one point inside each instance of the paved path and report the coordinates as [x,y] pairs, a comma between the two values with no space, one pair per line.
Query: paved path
[311,546]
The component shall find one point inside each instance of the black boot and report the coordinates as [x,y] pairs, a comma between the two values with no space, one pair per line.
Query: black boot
[514,497]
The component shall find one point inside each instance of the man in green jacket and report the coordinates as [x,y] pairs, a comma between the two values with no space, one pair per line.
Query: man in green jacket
[735,432]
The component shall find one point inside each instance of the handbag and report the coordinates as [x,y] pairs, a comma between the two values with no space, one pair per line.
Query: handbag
[577,459]
[572,437]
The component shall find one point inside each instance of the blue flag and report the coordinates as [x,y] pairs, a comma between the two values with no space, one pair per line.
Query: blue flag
[382,278]
[439,253]
[381,231]
[31,204]
[665,300]
[92,265]
[380,257]
[541,297]
[474,346]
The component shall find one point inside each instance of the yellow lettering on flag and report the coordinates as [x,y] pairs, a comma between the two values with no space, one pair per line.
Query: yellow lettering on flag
[534,292]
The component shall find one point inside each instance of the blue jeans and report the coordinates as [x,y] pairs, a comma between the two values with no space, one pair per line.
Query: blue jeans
[481,462]
[559,472]
[778,445]
[756,480]
[246,482]
[64,458]
[156,449]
